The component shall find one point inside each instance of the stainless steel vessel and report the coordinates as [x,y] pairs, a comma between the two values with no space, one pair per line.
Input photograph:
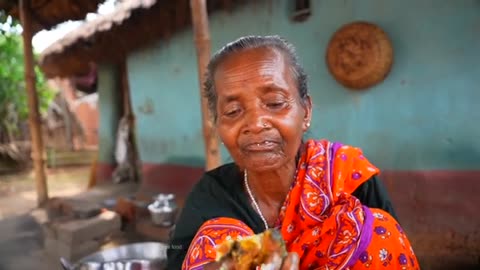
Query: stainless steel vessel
[138,256]
[163,210]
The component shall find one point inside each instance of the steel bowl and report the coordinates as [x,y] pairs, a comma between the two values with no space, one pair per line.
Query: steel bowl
[162,216]
[145,256]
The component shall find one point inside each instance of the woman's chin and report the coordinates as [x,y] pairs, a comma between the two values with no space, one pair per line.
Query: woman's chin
[262,163]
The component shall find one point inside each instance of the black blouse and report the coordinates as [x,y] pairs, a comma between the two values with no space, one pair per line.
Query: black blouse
[220,193]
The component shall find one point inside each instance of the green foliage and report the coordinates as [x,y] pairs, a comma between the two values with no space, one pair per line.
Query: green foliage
[13,97]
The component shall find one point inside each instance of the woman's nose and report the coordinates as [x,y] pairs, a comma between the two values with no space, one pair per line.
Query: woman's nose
[255,121]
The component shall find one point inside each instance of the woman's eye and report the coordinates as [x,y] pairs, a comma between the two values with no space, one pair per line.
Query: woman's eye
[276,104]
[231,113]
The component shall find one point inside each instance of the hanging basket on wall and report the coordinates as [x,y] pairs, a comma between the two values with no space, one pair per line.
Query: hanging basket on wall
[359,55]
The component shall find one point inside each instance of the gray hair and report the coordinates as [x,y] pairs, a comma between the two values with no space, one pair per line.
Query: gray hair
[253,42]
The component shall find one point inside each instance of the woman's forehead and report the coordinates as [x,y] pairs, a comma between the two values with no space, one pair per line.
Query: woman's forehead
[259,66]
[243,59]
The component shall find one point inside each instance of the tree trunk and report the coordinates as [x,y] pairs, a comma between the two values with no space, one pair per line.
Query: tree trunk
[202,44]
[33,114]
[67,120]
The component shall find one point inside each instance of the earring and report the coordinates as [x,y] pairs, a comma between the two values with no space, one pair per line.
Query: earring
[308,124]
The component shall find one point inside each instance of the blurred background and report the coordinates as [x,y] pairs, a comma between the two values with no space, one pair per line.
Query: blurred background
[104,111]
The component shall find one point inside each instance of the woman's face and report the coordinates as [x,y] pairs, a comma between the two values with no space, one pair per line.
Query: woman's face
[261,117]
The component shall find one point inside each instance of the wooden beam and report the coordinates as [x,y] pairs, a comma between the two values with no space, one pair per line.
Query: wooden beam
[33,114]
[202,44]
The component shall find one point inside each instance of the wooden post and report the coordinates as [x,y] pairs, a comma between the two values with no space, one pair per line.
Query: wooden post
[33,114]
[202,44]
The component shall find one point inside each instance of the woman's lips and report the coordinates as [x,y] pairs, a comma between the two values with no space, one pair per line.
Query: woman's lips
[261,146]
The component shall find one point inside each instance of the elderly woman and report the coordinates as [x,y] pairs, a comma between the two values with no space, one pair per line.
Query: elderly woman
[323,197]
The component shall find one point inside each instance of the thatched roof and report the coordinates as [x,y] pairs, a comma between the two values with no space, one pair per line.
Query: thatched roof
[48,13]
[109,38]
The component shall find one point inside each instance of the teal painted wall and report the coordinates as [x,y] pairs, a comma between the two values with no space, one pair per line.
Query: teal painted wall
[423,116]
[109,112]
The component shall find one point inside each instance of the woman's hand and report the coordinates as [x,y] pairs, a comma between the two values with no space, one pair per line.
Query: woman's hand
[291,262]
[274,262]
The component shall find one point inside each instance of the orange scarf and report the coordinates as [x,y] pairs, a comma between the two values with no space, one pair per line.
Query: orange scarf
[320,219]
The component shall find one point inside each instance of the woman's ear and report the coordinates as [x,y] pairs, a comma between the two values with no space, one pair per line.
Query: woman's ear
[307,104]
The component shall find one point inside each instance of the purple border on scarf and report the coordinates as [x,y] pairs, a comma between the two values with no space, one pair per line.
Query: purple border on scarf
[365,237]
[333,150]
[367,228]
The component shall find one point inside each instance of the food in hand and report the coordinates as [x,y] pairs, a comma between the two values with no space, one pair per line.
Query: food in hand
[256,250]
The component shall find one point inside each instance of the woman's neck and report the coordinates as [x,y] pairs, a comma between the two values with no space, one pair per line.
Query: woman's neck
[270,188]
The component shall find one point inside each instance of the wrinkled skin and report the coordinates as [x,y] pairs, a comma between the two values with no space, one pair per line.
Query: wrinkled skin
[261,115]
[261,121]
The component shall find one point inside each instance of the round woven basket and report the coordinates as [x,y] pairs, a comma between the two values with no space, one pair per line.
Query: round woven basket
[359,55]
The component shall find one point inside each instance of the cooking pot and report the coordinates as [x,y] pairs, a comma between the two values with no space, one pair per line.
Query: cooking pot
[163,210]
[138,256]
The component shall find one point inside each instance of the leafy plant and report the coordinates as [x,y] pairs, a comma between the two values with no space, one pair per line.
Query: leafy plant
[13,96]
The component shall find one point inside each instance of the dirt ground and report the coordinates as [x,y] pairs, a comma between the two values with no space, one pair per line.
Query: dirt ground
[17,191]
[21,244]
